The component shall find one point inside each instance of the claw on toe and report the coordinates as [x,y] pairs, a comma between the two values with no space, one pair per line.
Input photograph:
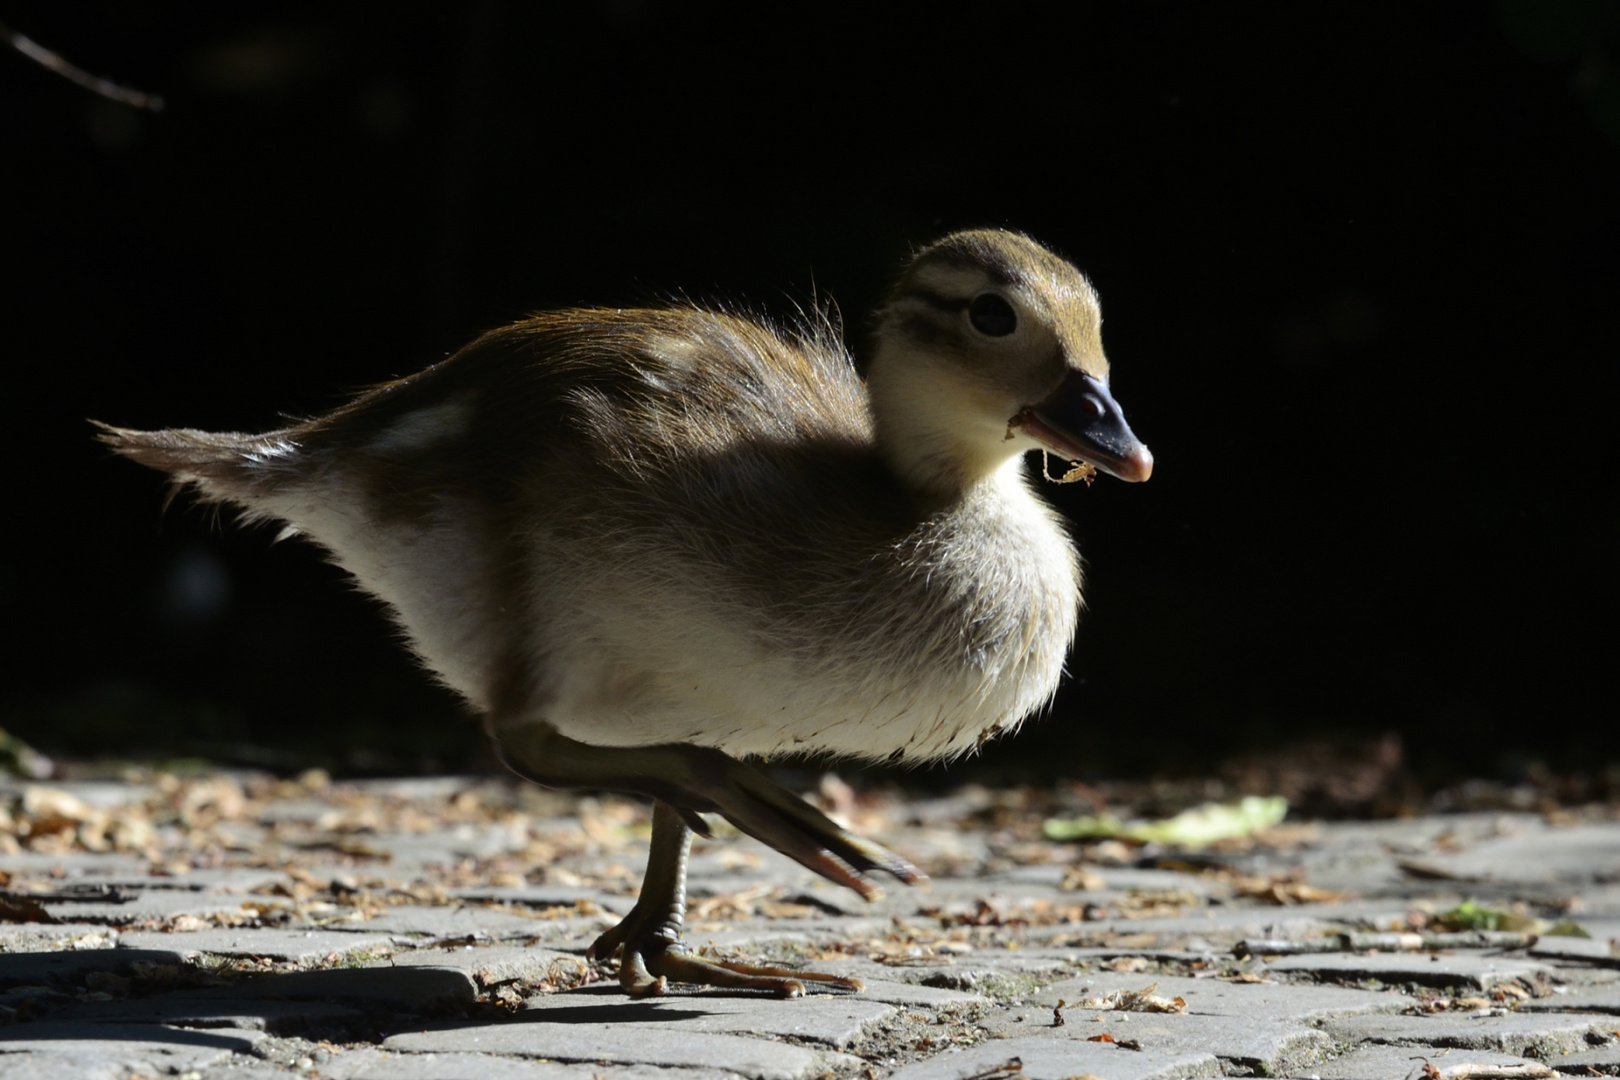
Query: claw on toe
[634,978]
[648,972]
[839,872]
[655,988]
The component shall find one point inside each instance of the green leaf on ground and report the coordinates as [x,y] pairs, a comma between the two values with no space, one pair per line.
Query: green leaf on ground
[1198,827]
[1469,915]
[1566,928]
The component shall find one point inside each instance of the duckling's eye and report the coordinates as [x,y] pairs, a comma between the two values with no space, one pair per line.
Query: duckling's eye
[991,315]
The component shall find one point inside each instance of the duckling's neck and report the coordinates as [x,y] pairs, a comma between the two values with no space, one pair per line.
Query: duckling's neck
[932,432]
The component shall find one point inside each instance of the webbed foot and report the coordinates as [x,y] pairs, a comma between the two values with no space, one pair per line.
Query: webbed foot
[649,938]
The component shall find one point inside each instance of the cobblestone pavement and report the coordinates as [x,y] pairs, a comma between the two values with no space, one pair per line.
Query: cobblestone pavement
[233,926]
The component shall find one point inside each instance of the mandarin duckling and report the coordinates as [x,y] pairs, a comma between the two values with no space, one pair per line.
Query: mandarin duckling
[646,544]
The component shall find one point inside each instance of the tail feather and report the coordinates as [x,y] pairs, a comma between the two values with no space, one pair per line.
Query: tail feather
[219,465]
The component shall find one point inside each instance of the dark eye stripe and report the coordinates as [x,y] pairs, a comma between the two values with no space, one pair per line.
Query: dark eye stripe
[934,300]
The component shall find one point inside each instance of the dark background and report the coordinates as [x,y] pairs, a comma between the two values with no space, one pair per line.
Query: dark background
[1359,265]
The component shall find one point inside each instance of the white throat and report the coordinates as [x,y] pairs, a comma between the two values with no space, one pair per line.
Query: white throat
[937,433]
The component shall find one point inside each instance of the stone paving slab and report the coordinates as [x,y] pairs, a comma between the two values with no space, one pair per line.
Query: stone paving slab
[90,1065]
[759,937]
[1222,926]
[234,881]
[1250,1043]
[37,937]
[66,968]
[298,946]
[1530,852]
[546,896]
[1397,1062]
[489,965]
[1601,999]
[628,1044]
[1573,976]
[831,1020]
[376,1065]
[148,905]
[1601,899]
[1003,974]
[1047,1059]
[445,923]
[1276,1001]
[410,850]
[1603,926]
[1592,950]
[915,995]
[149,1049]
[274,1017]
[1427,969]
[75,867]
[1604,1061]
[740,931]
[1115,880]
[101,794]
[1539,1034]
[238,1070]
[424,989]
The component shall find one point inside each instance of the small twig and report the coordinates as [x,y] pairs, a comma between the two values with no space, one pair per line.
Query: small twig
[59,64]
[1012,1067]
[1385,942]
[1430,1072]
[1469,1071]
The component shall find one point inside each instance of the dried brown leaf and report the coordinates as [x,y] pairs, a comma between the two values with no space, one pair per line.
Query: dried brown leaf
[1143,1000]
[24,909]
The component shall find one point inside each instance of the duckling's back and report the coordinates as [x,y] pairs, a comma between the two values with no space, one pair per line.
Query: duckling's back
[668,526]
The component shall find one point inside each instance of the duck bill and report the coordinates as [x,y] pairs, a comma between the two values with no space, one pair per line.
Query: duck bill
[1082,422]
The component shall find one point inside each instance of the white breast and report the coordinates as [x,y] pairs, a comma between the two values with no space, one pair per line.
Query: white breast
[960,643]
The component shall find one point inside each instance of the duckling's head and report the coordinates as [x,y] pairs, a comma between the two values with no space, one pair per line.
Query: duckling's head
[990,345]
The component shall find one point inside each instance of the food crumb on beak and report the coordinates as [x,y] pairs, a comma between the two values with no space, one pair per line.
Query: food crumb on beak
[1078,470]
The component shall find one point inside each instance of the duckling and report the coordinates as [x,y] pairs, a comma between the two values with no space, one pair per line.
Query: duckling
[648,544]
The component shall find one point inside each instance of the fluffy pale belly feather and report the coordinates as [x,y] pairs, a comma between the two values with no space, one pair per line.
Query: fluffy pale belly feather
[646,664]
[699,682]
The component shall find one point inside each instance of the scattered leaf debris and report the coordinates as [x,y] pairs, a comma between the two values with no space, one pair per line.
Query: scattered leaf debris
[1143,1000]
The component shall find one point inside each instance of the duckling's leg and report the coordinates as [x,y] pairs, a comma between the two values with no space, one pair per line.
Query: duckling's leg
[685,781]
[651,934]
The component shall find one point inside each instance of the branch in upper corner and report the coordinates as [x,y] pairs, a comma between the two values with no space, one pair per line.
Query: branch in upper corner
[51,61]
